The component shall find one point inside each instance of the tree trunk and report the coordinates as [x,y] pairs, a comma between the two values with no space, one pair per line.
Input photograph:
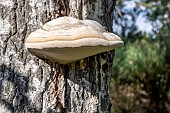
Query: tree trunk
[32,85]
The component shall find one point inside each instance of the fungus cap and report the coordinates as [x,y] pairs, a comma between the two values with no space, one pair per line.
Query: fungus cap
[67,39]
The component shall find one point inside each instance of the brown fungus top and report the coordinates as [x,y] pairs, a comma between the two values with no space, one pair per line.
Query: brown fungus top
[67,39]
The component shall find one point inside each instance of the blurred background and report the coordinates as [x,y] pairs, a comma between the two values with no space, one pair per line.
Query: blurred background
[141,69]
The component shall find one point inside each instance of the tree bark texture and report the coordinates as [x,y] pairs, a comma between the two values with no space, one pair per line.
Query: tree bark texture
[32,85]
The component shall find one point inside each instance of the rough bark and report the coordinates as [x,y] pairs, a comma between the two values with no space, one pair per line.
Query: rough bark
[32,85]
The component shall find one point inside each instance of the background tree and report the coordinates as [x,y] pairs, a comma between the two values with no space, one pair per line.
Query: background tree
[141,82]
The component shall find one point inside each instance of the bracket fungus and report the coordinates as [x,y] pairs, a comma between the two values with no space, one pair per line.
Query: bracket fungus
[67,39]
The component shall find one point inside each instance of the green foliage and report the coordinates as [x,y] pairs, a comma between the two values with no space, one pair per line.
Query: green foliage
[160,13]
[143,63]
[140,58]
